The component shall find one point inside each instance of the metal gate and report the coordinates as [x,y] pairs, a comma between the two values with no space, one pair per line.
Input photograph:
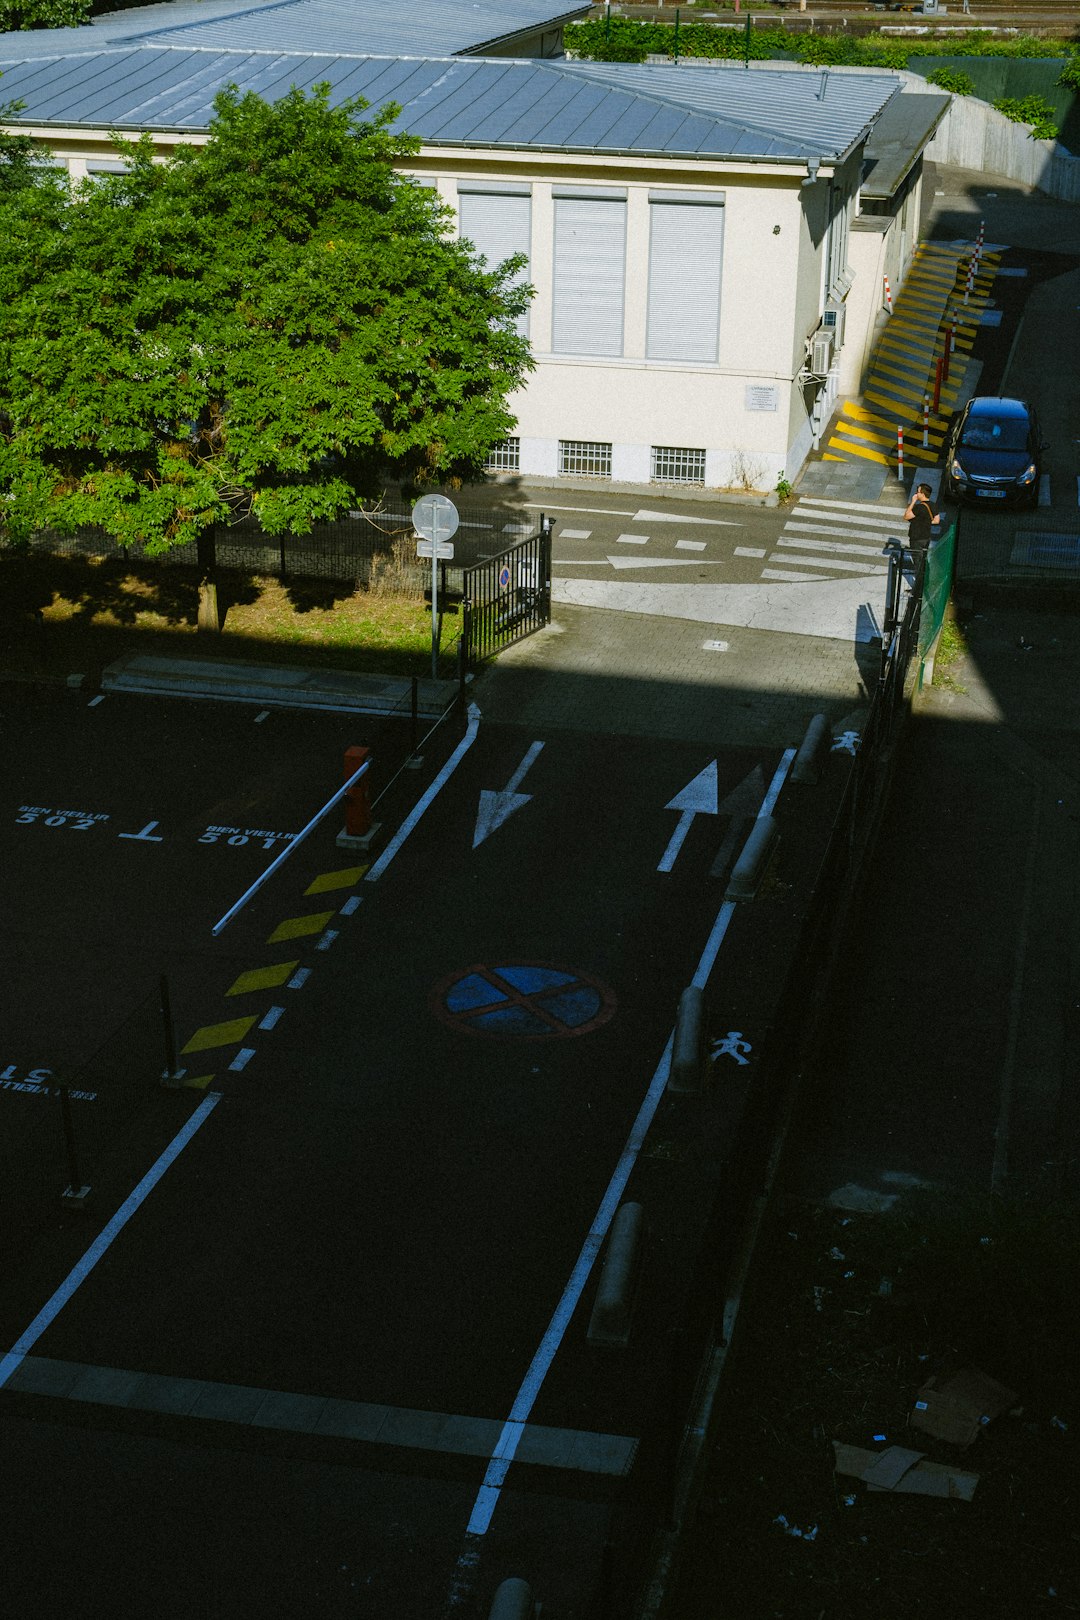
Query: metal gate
[507,597]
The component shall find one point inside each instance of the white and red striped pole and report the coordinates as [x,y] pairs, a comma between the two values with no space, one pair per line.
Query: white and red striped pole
[970,278]
[900,454]
[888,295]
[926,421]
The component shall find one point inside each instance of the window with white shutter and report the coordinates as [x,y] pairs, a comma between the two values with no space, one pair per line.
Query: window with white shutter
[686,253]
[499,224]
[590,271]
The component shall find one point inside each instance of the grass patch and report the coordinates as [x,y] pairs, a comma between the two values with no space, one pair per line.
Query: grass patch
[62,614]
[952,649]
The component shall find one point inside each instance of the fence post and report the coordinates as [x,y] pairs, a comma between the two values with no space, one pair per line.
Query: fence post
[900,454]
[926,421]
[938,366]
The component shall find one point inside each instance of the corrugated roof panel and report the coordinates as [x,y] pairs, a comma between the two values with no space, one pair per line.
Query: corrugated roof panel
[472,100]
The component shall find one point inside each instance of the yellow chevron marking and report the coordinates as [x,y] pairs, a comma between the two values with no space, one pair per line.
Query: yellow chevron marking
[857,450]
[887,402]
[261,978]
[296,927]
[873,418]
[825,456]
[865,432]
[198,1083]
[227,1034]
[336,880]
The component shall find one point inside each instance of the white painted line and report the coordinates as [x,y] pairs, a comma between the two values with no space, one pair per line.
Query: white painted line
[690,545]
[665,562]
[1012,270]
[529,759]
[352,904]
[242,1059]
[777,573]
[633,539]
[82,1269]
[990,317]
[750,551]
[676,517]
[772,793]
[871,510]
[503,1455]
[574,534]
[261,716]
[326,939]
[144,837]
[846,545]
[866,569]
[93,703]
[845,523]
[1044,490]
[299,979]
[427,798]
[271,1018]
[594,511]
[715,646]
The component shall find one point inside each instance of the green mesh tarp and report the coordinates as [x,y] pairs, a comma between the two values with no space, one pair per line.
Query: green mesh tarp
[937,584]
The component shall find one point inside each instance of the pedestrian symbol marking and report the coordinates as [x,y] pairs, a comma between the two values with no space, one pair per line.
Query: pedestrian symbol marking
[523,1001]
[732,1045]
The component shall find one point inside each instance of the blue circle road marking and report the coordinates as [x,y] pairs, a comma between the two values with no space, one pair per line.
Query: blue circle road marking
[523,1001]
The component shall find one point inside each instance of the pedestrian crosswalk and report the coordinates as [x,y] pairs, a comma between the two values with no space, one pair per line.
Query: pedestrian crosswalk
[826,539]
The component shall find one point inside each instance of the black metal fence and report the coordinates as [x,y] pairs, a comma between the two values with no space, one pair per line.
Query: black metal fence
[374,548]
[507,596]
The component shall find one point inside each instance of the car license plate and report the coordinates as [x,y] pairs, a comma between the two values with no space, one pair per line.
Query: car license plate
[991,494]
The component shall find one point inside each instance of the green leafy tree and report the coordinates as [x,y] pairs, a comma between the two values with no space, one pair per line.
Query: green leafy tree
[17,14]
[276,324]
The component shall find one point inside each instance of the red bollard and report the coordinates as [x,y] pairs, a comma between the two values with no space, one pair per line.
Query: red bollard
[357,801]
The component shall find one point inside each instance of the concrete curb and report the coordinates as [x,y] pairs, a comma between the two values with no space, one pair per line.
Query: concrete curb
[275,686]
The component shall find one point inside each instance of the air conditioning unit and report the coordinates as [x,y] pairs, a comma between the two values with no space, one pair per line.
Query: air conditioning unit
[821,349]
[833,321]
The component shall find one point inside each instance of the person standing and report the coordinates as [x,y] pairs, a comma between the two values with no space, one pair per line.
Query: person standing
[921,518]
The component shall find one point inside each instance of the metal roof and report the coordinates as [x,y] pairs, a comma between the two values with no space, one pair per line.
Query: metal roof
[897,139]
[348,27]
[547,104]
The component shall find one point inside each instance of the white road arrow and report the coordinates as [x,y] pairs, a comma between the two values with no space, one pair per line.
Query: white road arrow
[699,797]
[495,808]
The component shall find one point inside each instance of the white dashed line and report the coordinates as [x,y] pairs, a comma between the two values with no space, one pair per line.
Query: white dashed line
[93,703]
[243,1057]
[574,534]
[352,904]
[750,551]
[271,1018]
[299,979]
[690,545]
[839,546]
[1044,490]
[326,939]
[783,573]
[261,716]
[633,540]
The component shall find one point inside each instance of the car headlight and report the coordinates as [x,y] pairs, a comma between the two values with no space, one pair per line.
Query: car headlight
[1028,475]
[958,471]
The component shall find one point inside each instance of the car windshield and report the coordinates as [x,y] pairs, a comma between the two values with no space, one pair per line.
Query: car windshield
[995,433]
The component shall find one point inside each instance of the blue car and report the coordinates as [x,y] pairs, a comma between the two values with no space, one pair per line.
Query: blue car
[993,453]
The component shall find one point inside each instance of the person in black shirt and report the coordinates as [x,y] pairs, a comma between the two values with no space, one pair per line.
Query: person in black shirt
[921,518]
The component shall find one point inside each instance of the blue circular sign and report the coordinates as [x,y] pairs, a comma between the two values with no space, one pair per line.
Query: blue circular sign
[531,1001]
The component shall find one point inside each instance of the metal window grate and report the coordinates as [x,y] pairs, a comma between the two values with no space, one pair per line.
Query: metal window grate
[673,465]
[585,457]
[505,456]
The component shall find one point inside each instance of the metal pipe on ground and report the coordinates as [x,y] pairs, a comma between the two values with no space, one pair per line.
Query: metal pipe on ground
[816,743]
[609,1324]
[749,869]
[513,1601]
[688,1046]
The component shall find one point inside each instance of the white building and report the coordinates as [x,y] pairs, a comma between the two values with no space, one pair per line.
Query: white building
[700,295]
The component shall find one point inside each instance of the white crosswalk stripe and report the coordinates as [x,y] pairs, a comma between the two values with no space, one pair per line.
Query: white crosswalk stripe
[832,530]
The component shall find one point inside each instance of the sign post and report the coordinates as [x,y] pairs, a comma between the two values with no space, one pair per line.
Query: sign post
[436,520]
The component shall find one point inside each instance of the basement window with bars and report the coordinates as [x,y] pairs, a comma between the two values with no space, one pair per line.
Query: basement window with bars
[505,457]
[673,465]
[585,457]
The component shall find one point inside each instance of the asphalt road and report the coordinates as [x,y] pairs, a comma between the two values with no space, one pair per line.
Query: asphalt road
[416,1095]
